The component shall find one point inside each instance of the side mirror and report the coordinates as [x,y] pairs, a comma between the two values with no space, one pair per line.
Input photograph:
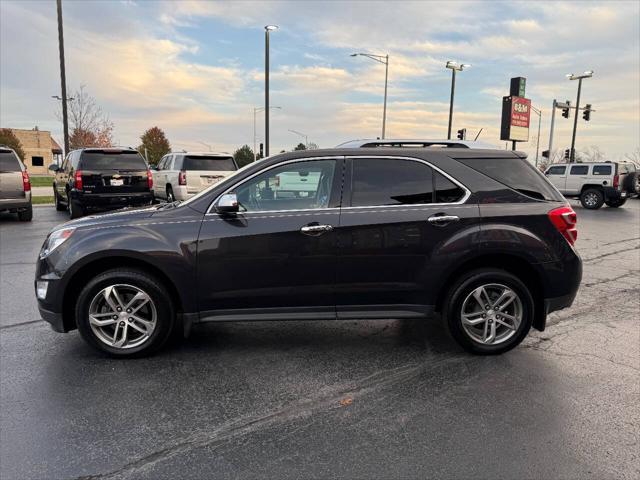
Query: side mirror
[53,167]
[228,203]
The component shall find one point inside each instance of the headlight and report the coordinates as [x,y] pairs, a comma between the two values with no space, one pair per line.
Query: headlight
[55,239]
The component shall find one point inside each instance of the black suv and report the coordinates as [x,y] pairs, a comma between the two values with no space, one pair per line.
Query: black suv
[101,179]
[359,233]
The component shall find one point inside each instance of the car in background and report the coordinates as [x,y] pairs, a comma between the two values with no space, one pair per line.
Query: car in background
[15,186]
[595,183]
[179,176]
[98,179]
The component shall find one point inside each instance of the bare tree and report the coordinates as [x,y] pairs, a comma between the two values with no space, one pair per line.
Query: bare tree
[592,154]
[89,124]
[634,156]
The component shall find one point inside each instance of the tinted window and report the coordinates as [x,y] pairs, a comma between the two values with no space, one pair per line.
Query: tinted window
[296,186]
[74,159]
[113,161]
[37,161]
[378,181]
[9,162]
[602,169]
[209,163]
[556,170]
[518,174]
[446,190]
[579,170]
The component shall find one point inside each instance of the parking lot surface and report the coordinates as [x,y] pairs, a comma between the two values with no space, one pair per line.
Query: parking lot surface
[374,399]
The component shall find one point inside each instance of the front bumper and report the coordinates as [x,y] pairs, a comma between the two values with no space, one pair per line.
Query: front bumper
[53,318]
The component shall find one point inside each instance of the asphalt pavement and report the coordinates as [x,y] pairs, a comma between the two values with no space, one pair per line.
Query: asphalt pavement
[368,399]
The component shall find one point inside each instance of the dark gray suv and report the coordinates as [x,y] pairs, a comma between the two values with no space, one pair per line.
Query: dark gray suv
[15,185]
[479,236]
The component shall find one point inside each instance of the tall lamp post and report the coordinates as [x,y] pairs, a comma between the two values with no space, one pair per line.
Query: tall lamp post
[63,79]
[267,29]
[571,76]
[306,138]
[384,59]
[539,113]
[455,67]
[255,111]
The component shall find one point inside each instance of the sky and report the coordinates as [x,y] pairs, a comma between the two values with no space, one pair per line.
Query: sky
[196,69]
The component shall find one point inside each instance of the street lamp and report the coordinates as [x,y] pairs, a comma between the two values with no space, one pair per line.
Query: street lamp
[256,110]
[384,59]
[455,67]
[306,139]
[267,29]
[571,76]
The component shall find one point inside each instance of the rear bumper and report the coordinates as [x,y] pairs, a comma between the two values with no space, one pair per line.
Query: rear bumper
[107,201]
[611,193]
[15,204]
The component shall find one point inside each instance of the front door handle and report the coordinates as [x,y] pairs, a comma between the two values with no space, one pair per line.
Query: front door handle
[316,230]
[442,220]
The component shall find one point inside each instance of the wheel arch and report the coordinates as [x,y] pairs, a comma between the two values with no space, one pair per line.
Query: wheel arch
[99,265]
[590,186]
[513,264]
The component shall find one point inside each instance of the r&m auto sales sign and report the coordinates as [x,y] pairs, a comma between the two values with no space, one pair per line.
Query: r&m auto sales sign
[516,114]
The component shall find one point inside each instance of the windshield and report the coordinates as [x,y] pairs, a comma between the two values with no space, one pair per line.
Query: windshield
[212,163]
[112,161]
[225,182]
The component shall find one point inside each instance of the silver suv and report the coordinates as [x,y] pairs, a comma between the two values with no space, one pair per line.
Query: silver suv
[15,186]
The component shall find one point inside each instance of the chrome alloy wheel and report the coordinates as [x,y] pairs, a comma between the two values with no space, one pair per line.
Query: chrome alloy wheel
[591,199]
[491,314]
[122,316]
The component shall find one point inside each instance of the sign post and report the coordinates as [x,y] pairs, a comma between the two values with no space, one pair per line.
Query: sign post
[516,113]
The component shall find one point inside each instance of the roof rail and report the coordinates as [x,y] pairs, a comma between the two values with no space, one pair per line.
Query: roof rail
[413,143]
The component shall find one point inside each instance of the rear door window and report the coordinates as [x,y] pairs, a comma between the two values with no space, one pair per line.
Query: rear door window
[517,174]
[602,169]
[445,190]
[382,181]
[112,161]
[212,163]
[9,162]
[579,170]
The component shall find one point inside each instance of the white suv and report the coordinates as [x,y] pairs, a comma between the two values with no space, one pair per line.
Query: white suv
[595,183]
[179,176]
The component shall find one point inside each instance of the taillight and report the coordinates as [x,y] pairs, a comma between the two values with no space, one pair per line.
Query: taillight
[182,178]
[26,183]
[565,220]
[616,181]
[149,179]
[78,180]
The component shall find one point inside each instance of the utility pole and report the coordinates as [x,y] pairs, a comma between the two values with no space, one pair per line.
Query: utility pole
[539,113]
[454,68]
[385,60]
[63,79]
[571,76]
[553,121]
[267,29]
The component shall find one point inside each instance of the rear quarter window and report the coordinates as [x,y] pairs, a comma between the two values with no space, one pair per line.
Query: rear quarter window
[112,161]
[9,162]
[602,169]
[516,173]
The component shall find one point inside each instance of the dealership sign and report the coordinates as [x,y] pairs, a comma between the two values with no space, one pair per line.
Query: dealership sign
[516,114]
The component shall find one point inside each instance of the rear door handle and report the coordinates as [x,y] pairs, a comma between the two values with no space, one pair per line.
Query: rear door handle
[316,230]
[442,220]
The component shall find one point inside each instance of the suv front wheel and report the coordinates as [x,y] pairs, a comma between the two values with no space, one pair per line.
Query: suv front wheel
[488,311]
[125,313]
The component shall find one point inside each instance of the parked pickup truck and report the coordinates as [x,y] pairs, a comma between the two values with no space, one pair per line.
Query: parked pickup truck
[595,184]
[179,176]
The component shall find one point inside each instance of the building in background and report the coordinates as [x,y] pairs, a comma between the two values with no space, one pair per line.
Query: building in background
[40,149]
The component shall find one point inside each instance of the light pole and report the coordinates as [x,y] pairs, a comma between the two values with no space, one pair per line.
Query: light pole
[455,67]
[571,76]
[255,111]
[306,139]
[63,79]
[267,29]
[539,113]
[384,59]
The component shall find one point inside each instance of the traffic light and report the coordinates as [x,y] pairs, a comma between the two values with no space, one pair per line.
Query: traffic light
[565,110]
[587,112]
[567,154]
[545,154]
[462,134]
[261,150]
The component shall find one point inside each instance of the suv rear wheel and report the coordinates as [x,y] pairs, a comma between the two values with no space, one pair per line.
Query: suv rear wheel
[488,311]
[616,203]
[56,198]
[125,313]
[26,215]
[592,198]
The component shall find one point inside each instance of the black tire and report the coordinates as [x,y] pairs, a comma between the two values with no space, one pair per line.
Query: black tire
[630,183]
[164,309]
[616,203]
[463,288]
[60,207]
[592,198]
[170,196]
[26,215]
[75,209]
